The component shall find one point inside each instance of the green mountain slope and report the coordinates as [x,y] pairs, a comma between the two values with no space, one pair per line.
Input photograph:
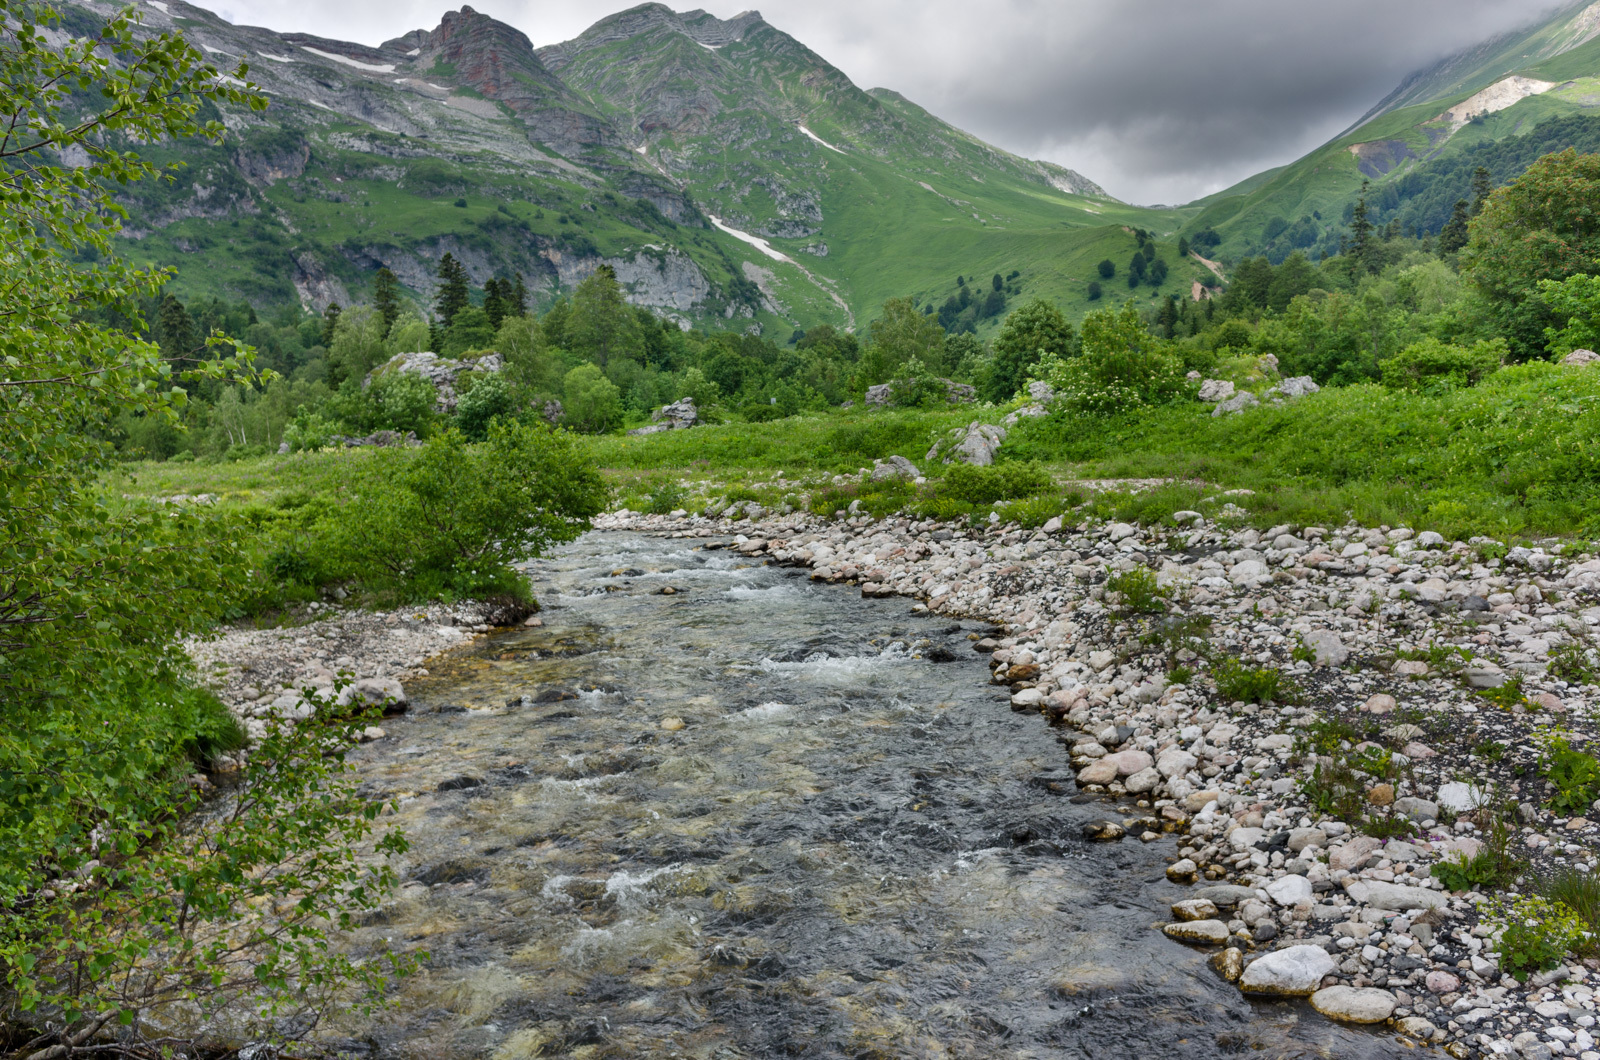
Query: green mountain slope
[729,174]
[1504,88]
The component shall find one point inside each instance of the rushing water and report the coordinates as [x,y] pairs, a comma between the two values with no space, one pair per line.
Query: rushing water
[850,849]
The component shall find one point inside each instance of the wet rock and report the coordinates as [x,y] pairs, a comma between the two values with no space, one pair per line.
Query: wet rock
[1228,963]
[1296,971]
[1354,1005]
[1183,871]
[1226,895]
[461,783]
[376,692]
[1103,831]
[1194,909]
[1200,932]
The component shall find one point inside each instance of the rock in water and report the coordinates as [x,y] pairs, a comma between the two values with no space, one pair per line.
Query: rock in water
[1201,932]
[1194,909]
[1296,971]
[1228,963]
[1353,1004]
[1103,831]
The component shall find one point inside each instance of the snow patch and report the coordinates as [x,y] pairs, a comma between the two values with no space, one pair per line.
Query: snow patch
[708,47]
[413,53]
[819,139]
[275,58]
[643,149]
[385,68]
[159,6]
[323,106]
[1495,98]
[755,241]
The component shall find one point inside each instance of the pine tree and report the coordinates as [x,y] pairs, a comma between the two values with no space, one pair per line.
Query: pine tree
[330,320]
[453,293]
[1482,188]
[174,329]
[495,291]
[386,297]
[1454,235]
[1363,242]
[1183,246]
[519,296]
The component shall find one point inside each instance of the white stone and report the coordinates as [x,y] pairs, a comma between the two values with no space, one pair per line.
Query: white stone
[1293,972]
[1354,1005]
[1290,890]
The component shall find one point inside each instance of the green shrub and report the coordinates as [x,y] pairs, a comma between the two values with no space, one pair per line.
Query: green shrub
[1431,366]
[1537,933]
[664,497]
[1461,873]
[451,518]
[1579,891]
[1034,512]
[1237,682]
[1576,775]
[1575,663]
[1137,591]
[999,482]
[490,397]
[1508,695]
[593,403]
[1120,366]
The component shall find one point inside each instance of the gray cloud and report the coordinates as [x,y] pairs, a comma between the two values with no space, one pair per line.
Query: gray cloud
[1164,101]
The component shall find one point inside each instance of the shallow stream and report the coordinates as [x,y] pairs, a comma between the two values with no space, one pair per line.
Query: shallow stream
[850,849]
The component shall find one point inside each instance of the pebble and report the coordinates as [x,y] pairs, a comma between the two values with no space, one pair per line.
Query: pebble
[1354,1005]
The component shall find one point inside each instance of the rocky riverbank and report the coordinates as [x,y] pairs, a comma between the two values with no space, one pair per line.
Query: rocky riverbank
[1372,649]
[262,673]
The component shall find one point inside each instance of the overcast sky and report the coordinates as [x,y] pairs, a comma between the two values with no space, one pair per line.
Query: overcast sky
[1158,101]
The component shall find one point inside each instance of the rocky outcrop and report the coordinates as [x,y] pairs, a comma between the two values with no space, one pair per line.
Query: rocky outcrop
[1580,359]
[896,468]
[316,288]
[973,444]
[1293,388]
[882,395]
[1214,390]
[678,416]
[442,372]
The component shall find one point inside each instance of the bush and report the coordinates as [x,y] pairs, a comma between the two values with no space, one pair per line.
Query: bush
[491,397]
[1121,366]
[593,403]
[915,387]
[1137,591]
[1580,892]
[1537,933]
[1576,775]
[1238,683]
[998,482]
[451,519]
[1431,366]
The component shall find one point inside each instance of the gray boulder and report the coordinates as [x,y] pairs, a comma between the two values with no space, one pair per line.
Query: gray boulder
[1214,390]
[442,372]
[973,444]
[1041,393]
[678,416]
[882,395]
[1580,359]
[1293,388]
[1238,403]
[1293,972]
[894,468]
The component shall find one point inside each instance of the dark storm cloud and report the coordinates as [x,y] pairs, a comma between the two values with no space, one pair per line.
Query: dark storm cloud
[1158,101]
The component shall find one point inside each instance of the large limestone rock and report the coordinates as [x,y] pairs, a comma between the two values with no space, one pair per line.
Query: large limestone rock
[1238,403]
[442,372]
[1214,390]
[1394,897]
[1296,386]
[896,467]
[678,416]
[973,444]
[1580,359]
[1293,972]
[1353,1004]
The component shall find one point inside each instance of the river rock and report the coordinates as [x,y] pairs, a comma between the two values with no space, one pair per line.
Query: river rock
[1289,890]
[1440,981]
[1394,896]
[1103,831]
[1142,781]
[383,692]
[1101,771]
[1194,909]
[672,724]
[1175,763]
[1301,838]
[1184,870]
[1353,1004]
[1201,932]
[1296,971]
[1351,854]
[1228,963]
[1329,649]
[1226,895]
[1129,762]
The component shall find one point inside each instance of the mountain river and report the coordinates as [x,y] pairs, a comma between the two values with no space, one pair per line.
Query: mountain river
[851,848]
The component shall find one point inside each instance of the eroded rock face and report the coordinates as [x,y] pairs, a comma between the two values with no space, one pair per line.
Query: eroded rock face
[1296,386]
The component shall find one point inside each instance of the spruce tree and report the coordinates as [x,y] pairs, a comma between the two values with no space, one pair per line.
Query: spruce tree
[494,300]
[519,296]
[1363,241]
[453,293]
[330,320]
[386,297]
[174,329]
[1454,235]
[1482,188]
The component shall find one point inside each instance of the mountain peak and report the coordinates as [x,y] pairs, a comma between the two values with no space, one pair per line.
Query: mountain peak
[698,25]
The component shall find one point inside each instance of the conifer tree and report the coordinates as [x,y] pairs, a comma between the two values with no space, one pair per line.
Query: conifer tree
[1482,188]
[495,292]
[330,320]
[519,296]
[1363,241]
[174,329]
[1454,235]
[386,297]
[453,292]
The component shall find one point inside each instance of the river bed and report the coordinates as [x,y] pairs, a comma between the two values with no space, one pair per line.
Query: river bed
[851,848]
